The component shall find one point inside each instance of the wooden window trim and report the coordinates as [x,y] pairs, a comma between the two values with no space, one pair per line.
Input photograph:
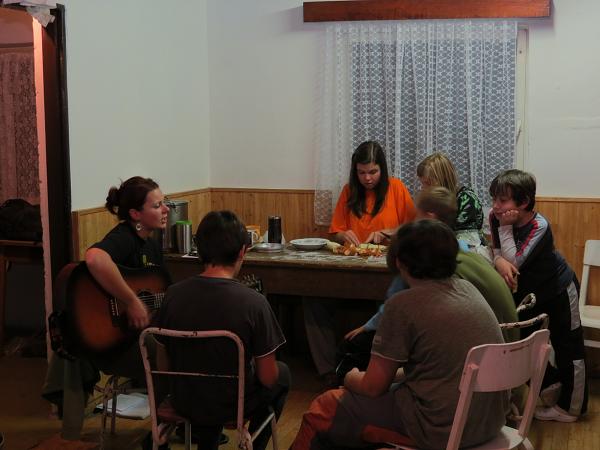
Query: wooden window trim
[354,10]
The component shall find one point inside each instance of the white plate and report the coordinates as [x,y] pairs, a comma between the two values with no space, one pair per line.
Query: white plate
[268,247]
[309,243]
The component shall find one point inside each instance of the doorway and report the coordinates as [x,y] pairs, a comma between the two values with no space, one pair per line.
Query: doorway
[54,173]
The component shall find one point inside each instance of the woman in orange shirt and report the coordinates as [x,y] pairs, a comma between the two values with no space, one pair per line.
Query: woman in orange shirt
[372,205]
[370,209]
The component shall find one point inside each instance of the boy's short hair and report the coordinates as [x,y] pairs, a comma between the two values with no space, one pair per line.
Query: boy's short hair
[439,201]
[516,184]
[220,237]
[427,248]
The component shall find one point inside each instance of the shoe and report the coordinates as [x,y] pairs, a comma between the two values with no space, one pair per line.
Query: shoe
[549,396]
[554,413]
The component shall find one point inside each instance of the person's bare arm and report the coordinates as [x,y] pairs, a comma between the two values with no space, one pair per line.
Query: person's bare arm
[106,272]
[267,370]
[376,380]
[507,271]
[346,236]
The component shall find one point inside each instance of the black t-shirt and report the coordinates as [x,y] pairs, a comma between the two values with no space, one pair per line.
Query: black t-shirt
[127,249]
[204,303]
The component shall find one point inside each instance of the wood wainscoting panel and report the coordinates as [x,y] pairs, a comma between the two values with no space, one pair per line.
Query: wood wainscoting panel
[89,226]
[573,220]
[254,206]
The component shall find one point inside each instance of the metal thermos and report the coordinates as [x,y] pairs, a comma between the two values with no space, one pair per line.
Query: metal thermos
[184,236]
[178,210]
[274,232]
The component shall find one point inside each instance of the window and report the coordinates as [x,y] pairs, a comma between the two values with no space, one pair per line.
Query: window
[418,87]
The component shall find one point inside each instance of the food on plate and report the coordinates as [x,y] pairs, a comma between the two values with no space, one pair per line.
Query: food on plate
[361,250]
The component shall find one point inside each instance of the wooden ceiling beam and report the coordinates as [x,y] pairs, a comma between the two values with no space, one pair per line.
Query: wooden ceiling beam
[348,10]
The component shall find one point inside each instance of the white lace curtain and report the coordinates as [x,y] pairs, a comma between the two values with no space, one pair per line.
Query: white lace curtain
[417,87]
[19,175]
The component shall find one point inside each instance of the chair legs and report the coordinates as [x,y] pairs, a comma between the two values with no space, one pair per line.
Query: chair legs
[188,435]
[110,391]
[271,420]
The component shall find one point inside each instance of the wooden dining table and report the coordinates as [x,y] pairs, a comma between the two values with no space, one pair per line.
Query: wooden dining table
[317,273]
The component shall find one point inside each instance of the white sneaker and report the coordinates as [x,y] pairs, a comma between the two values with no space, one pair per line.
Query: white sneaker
[554,413]
[549,396]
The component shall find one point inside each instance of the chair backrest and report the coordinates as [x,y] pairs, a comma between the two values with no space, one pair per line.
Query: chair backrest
[500,367]
[591,257]
[163,369]
[528,302]
[541,321]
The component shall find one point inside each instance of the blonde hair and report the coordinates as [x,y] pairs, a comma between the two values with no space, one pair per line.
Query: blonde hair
[438,201]
[438,170]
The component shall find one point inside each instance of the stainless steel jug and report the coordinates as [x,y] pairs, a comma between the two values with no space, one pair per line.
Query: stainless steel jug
[178,210]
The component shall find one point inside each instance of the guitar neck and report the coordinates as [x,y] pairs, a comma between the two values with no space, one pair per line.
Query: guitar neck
[152,301]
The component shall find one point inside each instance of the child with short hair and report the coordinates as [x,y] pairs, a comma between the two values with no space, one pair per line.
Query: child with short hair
[524,255]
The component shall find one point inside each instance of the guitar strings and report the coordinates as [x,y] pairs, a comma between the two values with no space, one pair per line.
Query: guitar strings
[154,300]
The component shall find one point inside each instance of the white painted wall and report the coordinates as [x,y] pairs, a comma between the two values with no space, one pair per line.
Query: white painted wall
[263,62]
[223,93]
[138,95]
[264,77]
[564,100]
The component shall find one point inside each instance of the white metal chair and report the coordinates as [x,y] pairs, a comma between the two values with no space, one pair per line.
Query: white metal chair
[528,302]
[541,321]
[167,415]
[590,314]
[500,367]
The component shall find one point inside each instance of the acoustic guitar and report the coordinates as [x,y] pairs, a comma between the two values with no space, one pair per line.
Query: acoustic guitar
[95,321]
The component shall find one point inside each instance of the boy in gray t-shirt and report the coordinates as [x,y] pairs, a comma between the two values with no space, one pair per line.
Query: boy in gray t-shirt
[428,330]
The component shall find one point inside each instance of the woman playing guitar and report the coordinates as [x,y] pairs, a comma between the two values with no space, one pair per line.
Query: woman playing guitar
[139,204]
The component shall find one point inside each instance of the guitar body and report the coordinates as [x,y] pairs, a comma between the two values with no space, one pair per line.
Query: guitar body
[96,321]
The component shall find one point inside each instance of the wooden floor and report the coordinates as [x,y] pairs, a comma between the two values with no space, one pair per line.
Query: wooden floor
[26,421]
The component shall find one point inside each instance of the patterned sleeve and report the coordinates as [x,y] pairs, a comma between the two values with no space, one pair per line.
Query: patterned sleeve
[517,252]
[469,214]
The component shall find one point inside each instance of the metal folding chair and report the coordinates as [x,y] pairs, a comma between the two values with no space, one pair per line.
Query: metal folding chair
[164,417]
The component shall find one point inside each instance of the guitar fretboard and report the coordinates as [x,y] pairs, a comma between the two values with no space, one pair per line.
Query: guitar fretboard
[152,301]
